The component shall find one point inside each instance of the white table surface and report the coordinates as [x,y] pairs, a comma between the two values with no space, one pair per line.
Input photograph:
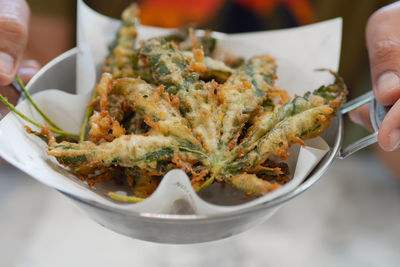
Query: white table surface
[349,218]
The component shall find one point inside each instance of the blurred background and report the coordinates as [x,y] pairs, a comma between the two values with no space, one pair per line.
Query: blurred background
[350,218]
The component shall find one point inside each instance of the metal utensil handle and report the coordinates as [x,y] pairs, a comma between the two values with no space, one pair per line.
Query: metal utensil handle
[363,142]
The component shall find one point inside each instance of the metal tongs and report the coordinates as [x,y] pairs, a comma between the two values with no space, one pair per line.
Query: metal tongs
[377,113]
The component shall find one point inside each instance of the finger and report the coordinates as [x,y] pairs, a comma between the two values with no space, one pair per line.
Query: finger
[391,160]
[383,41]
[389,132]
[11,95]
[27,69]
[361,117]
[14,16]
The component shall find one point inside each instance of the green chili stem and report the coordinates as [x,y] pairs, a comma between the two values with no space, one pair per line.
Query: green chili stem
[61,132]
[125,198]
[207,182]
[89,112]
[13,109]
[28,96]
[193,151]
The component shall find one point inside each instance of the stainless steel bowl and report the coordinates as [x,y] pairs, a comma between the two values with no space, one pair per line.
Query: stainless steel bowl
[179,229]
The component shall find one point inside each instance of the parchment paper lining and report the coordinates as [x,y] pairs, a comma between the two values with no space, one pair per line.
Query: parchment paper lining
[299,51]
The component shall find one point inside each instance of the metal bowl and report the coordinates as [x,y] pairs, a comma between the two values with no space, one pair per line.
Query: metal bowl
[180,229]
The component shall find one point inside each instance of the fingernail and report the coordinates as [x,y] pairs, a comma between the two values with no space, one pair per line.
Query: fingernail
[28,72]
[387,82]
[394,139]
[6,64]
[32,64]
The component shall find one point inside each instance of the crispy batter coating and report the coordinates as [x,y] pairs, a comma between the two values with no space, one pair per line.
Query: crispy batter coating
[169,104]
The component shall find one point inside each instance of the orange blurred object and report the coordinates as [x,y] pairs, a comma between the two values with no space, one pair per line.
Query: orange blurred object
[265,7]
[302,10]
[176,13]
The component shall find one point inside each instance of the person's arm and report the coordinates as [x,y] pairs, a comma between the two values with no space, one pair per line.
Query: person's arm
[383,43]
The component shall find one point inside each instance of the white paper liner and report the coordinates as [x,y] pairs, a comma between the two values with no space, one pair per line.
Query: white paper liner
[299,51]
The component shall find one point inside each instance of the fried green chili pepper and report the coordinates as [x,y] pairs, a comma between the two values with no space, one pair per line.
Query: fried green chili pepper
[244,91]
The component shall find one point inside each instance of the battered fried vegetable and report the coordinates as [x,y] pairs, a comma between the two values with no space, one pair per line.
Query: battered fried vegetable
[213,69]
[197,101]
[125,151]
[122,61]
[305,125]
[155,107]
[251,184]
[332,95]
[169,104]
[302,118]
[187,39]
[244,91]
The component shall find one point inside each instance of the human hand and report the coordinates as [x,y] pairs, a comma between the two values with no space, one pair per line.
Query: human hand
[383,43]
[14,18]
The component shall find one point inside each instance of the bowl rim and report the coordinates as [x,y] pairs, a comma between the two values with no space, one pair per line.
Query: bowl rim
[311,179]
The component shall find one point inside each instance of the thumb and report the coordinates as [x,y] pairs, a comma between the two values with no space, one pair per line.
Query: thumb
[383,42]
[14,17]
